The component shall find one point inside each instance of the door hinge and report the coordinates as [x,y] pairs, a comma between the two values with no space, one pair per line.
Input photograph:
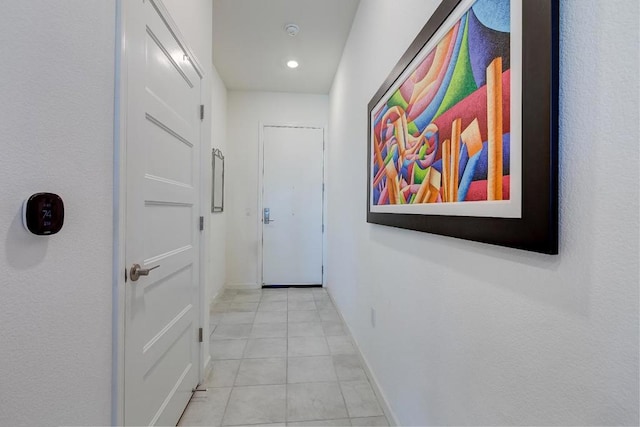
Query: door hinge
[323,187]
[201,111]
[125,275]
[323,270]
[201,223]
[200,334]
[323,228]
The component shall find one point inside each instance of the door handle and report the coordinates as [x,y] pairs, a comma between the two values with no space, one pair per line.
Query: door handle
[266,216]
[137,271]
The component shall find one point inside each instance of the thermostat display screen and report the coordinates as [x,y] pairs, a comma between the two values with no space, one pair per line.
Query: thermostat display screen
[44,214]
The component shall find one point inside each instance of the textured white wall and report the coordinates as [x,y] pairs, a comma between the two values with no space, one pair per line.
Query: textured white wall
[245,112]
[194,18]
[475,334]
[56,120]
[56,127]
[218,235]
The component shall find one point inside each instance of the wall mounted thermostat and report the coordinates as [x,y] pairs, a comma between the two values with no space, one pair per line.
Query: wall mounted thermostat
[43,214]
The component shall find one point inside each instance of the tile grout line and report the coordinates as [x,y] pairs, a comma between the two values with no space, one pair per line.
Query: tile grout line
[233,385]
[377,392]
[286,357]
[286,371]
[368,380]
[235,378]
[254,385]
[346,408]
[226,405]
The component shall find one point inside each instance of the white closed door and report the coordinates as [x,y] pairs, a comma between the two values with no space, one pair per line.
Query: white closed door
[162,219]
[292,227]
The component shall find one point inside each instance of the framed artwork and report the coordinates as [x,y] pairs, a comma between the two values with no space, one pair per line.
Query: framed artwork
[462,136]
[217,184]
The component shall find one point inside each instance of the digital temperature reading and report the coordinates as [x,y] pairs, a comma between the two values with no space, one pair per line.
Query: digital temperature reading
[43,214]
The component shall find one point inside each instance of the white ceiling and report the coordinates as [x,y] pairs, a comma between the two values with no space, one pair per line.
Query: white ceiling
[251,48]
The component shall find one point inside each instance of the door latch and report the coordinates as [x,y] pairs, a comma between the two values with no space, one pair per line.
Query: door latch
[266,216]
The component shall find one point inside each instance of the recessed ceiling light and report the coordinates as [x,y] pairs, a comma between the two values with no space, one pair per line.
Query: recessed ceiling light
[292,64]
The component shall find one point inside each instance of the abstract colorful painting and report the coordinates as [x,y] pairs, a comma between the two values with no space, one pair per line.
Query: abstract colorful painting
[443,135]
[445,131]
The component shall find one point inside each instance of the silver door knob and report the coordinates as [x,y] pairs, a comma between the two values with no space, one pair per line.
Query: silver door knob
[137,271]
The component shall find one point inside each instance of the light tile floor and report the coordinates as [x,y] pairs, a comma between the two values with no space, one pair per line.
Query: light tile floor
[282,357]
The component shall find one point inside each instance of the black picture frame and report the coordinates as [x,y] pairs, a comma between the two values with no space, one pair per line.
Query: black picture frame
[537,228]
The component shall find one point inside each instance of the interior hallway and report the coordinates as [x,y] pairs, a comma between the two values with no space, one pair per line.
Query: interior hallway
[465,333]
[282,356]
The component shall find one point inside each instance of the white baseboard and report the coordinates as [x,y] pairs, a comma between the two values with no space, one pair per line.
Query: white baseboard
[386,408]
[242,286]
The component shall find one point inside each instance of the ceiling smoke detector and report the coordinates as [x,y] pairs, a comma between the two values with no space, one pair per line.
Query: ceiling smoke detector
[292,29]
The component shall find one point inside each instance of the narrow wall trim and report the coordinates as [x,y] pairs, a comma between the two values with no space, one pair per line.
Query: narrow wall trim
[119,130]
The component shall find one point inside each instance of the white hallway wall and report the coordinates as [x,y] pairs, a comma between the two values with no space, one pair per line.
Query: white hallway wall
[246,110]
[218,234]
[475,334]
[56,127]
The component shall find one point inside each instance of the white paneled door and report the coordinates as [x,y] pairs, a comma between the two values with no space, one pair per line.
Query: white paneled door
[162,213]
[292,199]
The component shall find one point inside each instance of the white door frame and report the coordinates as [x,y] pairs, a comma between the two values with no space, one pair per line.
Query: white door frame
[260,188]
[119,206]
